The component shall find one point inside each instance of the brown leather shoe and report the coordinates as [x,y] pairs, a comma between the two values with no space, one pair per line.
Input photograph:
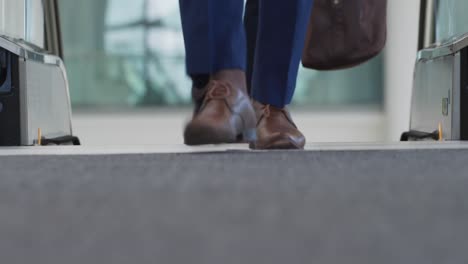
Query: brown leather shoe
[225,116]
[275,129]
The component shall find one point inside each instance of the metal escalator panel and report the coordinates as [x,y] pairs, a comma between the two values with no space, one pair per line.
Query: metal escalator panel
[45,101]
[440,82]
[432,95]
[34,95]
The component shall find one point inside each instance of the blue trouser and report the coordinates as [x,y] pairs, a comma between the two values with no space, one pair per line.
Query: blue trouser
[215,40]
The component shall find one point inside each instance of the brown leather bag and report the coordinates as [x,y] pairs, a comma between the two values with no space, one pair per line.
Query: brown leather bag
[345,33]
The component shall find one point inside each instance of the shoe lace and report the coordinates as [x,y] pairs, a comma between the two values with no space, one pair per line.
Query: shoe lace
[218,90]
[268,109]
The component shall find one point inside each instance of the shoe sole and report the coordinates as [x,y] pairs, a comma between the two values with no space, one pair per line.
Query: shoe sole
[199,135]
[280,144]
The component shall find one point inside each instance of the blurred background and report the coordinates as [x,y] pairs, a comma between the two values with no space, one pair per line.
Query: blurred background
[125,61]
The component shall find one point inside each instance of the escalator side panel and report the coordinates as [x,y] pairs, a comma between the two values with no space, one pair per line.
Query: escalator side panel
[464,95]
[10,128]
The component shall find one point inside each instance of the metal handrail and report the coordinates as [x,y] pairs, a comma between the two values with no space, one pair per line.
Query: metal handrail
[426,24]
[53,34]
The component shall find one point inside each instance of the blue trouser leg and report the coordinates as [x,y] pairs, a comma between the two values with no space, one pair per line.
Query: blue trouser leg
[280,41]
[214,35]
[251,30]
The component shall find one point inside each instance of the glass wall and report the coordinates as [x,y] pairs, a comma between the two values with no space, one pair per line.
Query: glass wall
[130,53]
[23,19]
[451,19]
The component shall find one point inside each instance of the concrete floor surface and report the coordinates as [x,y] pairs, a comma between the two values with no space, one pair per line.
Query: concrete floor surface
[331,204]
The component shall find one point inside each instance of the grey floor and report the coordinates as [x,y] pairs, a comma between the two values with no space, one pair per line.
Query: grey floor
[328,205]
